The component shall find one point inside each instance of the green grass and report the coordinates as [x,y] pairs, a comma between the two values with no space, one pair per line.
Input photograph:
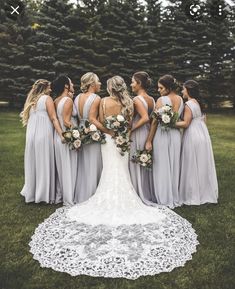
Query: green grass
[212,266]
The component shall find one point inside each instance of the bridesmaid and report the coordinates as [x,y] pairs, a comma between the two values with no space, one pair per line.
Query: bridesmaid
[89,156]
[39,164]
[66,159]
[198,181]
[143,104]
[166,147]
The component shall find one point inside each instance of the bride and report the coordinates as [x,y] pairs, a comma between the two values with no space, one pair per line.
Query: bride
[114,234]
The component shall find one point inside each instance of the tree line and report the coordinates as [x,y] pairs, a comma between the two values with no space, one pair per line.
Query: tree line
[112,37]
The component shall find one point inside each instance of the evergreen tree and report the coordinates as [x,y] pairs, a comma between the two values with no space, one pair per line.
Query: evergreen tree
[15,81]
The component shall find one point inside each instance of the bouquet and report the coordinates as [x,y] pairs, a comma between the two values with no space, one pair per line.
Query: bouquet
[72,138]
[122,142]
[166,116]
[119,125]
[143,158]
[90,134]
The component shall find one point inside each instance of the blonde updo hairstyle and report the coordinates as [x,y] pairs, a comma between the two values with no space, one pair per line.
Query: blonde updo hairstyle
[38,89]
[87,80]
[116,87]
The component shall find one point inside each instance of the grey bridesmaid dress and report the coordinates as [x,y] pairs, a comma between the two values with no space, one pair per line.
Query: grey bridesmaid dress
[142,179]
[39,159]
[89,158]
[66,162]
[166,162]
[198,181]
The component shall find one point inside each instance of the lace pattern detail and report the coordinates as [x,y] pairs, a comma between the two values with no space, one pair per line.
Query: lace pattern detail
[124,251]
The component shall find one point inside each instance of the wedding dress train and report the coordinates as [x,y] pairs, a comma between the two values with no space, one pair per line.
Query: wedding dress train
[113,234]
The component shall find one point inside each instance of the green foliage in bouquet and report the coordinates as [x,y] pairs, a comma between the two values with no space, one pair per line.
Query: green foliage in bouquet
[72,138]
[143,158]
[119,125]
[90,134]
[165,116]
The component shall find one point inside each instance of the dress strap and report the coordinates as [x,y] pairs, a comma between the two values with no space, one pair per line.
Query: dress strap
[104,108]
[154,103]
[76,103]
[87,105]
[141,98]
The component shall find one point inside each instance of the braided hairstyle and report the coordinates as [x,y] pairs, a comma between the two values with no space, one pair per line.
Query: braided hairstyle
[116,86]
[38,89]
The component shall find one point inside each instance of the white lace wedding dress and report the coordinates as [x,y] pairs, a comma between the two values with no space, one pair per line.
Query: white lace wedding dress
[113,234]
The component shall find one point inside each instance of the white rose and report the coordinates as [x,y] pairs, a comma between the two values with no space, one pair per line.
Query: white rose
[166,118]
[144,158]
[166,108]
[95,136]
[77,143]
[86,130]
[116,124]
[67,134]
[93,127]
[120,117]
[75,133]
[120,140]
[160,111]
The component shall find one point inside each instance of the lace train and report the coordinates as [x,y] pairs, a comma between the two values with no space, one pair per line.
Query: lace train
[125,251]
[113,234]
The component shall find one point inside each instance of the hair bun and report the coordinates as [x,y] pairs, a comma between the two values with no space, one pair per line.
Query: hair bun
[143,78]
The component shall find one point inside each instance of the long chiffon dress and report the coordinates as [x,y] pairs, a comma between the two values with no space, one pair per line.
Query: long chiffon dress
[39,157]
[66,162]
[89,158]
[142,178]
[198,181]
[166,162]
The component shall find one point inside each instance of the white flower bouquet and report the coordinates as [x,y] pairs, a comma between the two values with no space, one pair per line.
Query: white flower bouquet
[143,158]
[122,142]
[119,125]
[72,138]
[90,134]
[165,116]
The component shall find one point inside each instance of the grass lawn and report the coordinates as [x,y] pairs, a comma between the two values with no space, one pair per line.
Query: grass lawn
[212,266]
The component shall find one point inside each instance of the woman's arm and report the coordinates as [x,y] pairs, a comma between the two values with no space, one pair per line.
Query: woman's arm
[67,113]
[95,113]
[52,115]
[153,128]
[187,118]
[140,109]
[152,131]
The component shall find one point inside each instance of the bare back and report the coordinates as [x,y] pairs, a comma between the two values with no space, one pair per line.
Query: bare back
[176,102]
[81,102]
[150,101]
[109,106]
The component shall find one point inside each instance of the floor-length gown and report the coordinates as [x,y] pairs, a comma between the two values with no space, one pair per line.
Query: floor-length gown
[166,162]
[198,181]
[114,234]
[66,161]
[39,157]
[89,158]
[142,178]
